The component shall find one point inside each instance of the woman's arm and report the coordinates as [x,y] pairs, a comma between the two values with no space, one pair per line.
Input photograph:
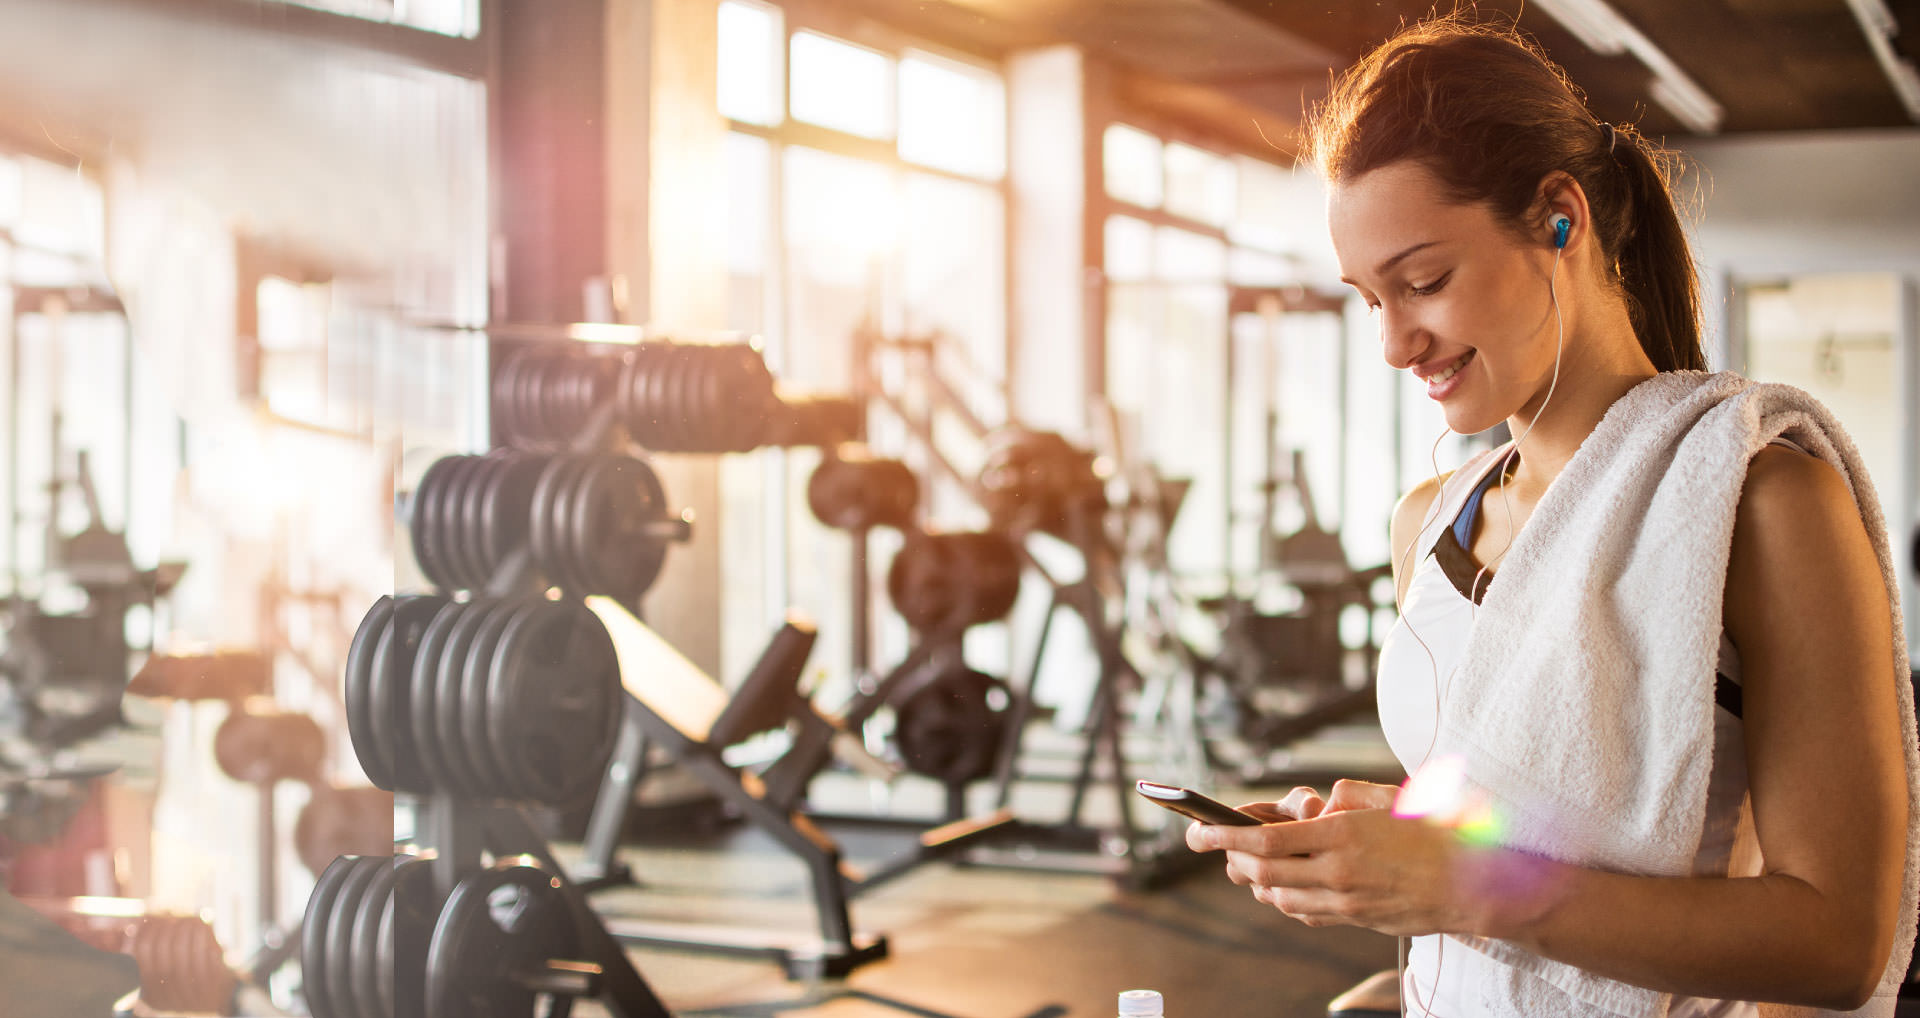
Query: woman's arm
[1809,612]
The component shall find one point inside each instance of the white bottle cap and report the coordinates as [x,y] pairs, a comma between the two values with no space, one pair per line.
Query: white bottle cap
[1143,1003]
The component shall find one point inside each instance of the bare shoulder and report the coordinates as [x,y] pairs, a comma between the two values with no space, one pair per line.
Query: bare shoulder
[1409,516]
[1791,489]
[1798,537]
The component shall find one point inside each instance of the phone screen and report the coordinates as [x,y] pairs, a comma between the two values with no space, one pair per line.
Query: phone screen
[1191,804]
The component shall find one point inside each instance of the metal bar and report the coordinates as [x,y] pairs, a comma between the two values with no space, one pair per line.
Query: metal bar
[1021,712]
[615,799]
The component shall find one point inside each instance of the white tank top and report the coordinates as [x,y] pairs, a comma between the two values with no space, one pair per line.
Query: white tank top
[1444,977]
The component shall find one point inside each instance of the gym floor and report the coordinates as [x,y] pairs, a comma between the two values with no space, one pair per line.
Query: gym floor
[971,941]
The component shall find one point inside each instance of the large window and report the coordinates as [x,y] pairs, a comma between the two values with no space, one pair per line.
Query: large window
[865,190]
[1193,240]
[445,17]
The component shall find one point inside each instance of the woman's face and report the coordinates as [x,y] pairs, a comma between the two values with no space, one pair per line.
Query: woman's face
[1462,302]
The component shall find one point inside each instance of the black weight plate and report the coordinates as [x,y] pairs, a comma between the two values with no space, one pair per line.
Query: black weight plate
[660,403]
[590,542]
[576,403]
[392,688]
[527,397]
[423,700]
[406,929]
[340,933]
[624,393]
[681,371]
[499,923]
[374,750]
[554,700]
[753,400]
[727,399]
[540,517]
[481,760]
[539,369]
[420,526]
[473,537]
[553,398]
[704,427]
[509,502]
[357,683]
[367,973]
[719,384]
[448,739]
[313,937]
[567,548]
[595,376]
[500,392]
[950,729]
[644,418]
[454,539]
[508,405]
[614,517]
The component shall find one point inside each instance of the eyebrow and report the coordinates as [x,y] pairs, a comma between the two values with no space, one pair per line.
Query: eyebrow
[1386,266]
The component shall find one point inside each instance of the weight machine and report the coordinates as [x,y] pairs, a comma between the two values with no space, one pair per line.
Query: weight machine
[1036,483]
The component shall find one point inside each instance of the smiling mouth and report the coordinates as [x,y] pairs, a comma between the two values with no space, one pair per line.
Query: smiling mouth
[1451,371]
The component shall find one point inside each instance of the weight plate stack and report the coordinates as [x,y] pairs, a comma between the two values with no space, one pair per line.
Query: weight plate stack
[470,513]
[952,727]
[377,687]
[491,945]
[545,396]
[852,490]
[365,938]
[515,698]
[949,581]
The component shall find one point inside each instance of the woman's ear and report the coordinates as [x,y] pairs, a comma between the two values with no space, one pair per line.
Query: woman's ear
[1560,197]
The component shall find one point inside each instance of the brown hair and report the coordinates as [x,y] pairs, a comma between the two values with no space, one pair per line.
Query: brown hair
[1483,109]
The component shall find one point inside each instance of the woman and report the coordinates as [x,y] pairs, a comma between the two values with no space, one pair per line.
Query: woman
[1676,750]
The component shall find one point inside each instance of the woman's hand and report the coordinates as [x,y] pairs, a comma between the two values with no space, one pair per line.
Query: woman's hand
[1348,861]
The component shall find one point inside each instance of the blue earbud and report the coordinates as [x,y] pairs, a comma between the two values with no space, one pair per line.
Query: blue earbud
[1561,224]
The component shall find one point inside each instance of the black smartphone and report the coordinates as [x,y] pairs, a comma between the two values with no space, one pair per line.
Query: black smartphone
[1191,804]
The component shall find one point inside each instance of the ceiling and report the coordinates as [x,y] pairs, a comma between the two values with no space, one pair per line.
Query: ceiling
[1772,65]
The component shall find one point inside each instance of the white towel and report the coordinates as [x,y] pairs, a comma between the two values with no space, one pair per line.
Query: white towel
[1583,705]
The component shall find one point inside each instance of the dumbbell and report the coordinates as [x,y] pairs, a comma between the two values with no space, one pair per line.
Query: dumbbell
[943,581]
[686,397]
[515,698]
[853,490]
[1038,481]
[264,745]
[594,524]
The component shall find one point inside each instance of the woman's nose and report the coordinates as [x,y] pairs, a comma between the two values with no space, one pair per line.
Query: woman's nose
[1402,340]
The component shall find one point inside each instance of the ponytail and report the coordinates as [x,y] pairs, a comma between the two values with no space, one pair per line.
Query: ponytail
[1483,109]
[1654,262]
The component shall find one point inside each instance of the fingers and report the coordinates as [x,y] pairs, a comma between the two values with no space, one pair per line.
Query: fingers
[1302,804]
[1268,812]
[1310,907]
[1352,795]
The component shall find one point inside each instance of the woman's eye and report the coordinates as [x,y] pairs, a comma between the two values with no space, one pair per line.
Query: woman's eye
[1430,288]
